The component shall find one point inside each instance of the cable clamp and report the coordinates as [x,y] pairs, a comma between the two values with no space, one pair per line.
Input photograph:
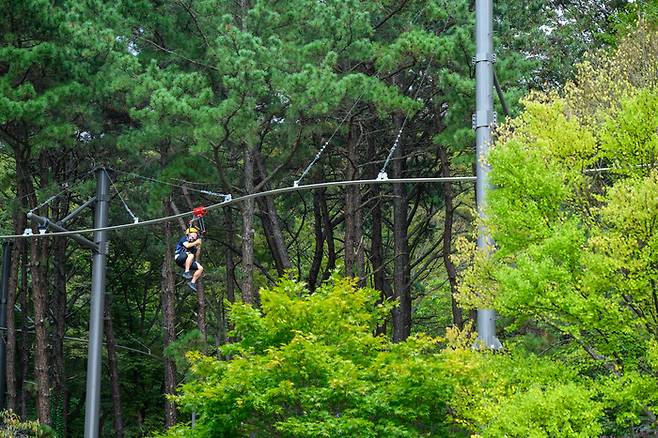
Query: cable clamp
[135,220]
[481,119]
[228,198]
[482,57]
[27,232]
[295,183]
[104,248]
[382,176]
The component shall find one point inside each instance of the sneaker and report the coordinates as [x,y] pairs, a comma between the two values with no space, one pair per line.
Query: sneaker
[192,286]
[187,275]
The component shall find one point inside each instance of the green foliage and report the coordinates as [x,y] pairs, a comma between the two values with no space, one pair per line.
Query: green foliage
[12,427]
[308,365]
[577,248]
[178,90]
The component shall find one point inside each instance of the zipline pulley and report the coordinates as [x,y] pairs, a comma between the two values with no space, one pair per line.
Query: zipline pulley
[198,220]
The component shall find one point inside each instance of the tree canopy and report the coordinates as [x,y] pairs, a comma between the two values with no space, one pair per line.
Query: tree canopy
[345,310]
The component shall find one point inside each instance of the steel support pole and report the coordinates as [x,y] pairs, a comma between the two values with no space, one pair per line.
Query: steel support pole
[77,211]
[6,269]
[96,311]
[483,120]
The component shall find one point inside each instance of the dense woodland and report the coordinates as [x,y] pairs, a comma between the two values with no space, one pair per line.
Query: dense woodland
[345,311]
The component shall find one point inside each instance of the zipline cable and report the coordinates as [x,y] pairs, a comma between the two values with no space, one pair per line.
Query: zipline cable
[230,201]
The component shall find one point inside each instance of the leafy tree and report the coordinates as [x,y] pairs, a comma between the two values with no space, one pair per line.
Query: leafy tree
[576,248]
[308,365]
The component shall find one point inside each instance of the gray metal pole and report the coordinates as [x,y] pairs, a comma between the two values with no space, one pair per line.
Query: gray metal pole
[6,263]
[96,313]
[483,119]
[77,211]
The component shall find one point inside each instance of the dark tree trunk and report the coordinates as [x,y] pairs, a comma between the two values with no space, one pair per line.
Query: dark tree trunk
[169,318]
[16,388]
[18,254]
[59,250]
[353,232]
[38,264]
[40,301]
[112,362]
[230,262]
[457,314]
[273,235]
[376,240]
[249,294]
[11,328]
[25,341]
[401,271]
[318,252]
[328,234]
[271,223]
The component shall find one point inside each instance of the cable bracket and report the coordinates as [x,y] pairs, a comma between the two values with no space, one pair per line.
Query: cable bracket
[482,119]
[484,57]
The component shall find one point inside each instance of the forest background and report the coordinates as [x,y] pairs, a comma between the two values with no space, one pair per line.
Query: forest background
[181,100]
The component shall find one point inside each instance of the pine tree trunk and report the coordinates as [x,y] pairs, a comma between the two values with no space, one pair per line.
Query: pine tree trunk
[16,388]
[230,262]
[59,259]
[271,223]
[18,254]
[353,232]
[329,235]
[273,235]
[318,252]
[249,295]
[376,240]
[401,271]
[457,314]
[168,318]
[112,361]
[25,341]
[40,301]
[38,264]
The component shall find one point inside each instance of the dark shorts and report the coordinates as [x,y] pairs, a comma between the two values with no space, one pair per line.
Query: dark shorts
[180,261]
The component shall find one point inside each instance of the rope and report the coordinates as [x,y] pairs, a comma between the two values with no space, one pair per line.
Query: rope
[382,173]
[52,198]
[326,143]
[65,183]
[116,189]
[66,186]
[191,189]
[273,192]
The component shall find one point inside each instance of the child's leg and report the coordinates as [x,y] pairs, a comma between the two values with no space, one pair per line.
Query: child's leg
[197,273]
[188,261]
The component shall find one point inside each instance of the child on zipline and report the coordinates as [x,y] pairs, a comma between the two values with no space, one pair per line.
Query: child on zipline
[187,253]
